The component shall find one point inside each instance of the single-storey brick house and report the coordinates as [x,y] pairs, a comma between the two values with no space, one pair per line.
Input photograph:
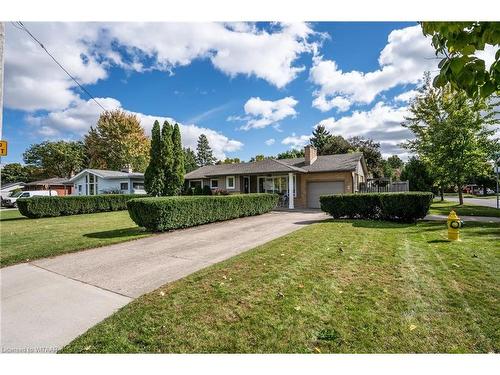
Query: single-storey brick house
[305,178]
[59,184]
[100,181]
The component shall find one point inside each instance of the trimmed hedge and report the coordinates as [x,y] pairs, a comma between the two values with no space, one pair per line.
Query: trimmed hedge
[37,207]
[167,213]
[404,207]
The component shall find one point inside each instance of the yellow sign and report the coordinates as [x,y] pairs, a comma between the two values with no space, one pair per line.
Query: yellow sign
[3,148]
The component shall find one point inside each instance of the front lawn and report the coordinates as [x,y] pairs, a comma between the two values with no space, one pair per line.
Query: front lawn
[24,239]
[336,286]
[467,209]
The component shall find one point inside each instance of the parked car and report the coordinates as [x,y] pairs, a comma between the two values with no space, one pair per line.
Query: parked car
[12,200]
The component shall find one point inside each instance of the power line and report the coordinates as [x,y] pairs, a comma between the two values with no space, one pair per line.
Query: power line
[24,28]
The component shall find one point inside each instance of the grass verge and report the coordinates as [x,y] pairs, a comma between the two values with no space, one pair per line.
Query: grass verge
[467,209]
[24,239]
[337,286]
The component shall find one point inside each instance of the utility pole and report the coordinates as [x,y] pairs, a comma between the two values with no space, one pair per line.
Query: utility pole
[2,43]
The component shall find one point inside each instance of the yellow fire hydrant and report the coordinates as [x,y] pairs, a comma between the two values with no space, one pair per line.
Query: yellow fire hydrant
[454,224]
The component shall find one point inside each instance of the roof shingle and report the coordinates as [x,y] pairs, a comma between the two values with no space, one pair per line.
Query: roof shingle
[324,163]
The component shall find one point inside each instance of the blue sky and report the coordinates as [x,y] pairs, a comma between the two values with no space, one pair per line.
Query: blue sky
[252,88]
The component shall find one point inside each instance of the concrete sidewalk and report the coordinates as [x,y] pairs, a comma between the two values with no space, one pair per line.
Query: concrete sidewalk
[480,219]
[49,302]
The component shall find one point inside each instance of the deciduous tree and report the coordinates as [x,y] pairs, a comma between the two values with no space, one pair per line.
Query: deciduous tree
[117,140]
[57,159]
[461,66]
[452,133]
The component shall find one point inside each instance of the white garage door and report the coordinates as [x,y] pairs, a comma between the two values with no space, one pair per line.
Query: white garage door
[315,189]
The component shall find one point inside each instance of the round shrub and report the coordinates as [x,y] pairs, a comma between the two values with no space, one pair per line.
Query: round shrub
[404,207]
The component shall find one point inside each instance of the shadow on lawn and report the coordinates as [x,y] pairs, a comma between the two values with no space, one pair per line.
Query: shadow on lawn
[13,218]
[115,233]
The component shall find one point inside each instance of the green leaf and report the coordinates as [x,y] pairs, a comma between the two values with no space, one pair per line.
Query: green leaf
[487,89]
[456,65]
[468,49]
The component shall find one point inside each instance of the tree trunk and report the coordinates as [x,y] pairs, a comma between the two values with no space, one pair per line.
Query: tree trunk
[460,195]
[441,193]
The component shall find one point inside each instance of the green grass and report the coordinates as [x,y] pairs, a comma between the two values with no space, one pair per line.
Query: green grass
[467,209]
[337,286]
[23,239]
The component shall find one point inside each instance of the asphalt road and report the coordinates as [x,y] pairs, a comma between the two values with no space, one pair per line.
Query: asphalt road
[477,201]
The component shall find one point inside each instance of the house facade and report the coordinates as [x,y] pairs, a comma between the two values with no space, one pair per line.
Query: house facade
[59,184]
[300,181]
[100,181]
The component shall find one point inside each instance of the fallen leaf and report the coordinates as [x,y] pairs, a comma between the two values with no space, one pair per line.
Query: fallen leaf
[301,286]
[280,295]
[282,255]
[162,293]
[224,277]
[412,327]
[297,308]
[318,350]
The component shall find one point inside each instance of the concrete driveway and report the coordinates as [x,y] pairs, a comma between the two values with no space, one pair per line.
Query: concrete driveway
[49,302]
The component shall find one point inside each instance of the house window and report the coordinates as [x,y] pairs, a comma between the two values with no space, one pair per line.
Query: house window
[79,189]
[91,182]
[276,184]
[194,183]
[230,182]
[124,186]
[138,185]
[214,184]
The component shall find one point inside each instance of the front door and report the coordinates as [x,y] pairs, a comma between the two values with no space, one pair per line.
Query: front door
[246,185]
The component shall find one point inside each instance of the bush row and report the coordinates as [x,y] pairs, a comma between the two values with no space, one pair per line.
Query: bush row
[404,207]
[37,207]
[167,213]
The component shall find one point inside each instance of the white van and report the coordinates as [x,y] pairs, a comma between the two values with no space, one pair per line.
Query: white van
[12,200]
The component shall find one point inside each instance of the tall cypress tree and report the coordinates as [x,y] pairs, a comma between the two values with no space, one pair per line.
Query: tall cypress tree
[167,158]
[204,154]
[153,177]
[178,161]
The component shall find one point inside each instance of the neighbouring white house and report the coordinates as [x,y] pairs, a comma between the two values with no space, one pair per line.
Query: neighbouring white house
[100,181]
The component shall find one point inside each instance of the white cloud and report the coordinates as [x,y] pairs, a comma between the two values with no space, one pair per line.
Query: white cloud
[488,55]
[270,141]
[262,113]
[295,141]
[323,104]
[381,123]
[407,55]
[33,81]
[406,96]
[77,119]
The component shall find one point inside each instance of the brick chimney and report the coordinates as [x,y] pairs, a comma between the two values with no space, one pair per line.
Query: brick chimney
[127,168]
[311,154]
